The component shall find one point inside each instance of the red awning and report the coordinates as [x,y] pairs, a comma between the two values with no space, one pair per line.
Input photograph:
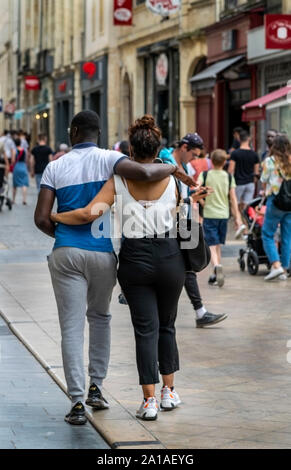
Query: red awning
[255,110]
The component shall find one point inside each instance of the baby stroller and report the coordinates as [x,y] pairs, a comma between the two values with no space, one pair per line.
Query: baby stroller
[4,199]
[254,252]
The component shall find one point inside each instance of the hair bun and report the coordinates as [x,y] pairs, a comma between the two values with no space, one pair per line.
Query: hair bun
[146,122]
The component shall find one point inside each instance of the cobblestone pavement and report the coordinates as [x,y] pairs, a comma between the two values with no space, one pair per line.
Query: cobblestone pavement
[234,379]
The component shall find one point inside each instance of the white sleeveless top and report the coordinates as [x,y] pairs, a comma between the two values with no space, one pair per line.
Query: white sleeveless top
[140,219]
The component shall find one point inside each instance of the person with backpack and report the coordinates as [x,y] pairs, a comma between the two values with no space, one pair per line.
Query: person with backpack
[20,172]
[276,179]
[216,211]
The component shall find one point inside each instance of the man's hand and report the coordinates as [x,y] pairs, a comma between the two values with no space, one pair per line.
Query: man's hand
[184,178]
[201,193]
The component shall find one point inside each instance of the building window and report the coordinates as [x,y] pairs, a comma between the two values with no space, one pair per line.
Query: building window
[230,4]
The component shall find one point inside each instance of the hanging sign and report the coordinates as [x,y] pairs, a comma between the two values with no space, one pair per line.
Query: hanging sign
[162,69]
[90,70]
[278,31]
[32,83]
[163,7]
[122,12]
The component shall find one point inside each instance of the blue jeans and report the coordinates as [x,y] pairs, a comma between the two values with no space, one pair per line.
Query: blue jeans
[273,218]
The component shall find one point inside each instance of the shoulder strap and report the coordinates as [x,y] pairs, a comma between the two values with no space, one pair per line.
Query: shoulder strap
[205,173]
[179,191]
[229,181]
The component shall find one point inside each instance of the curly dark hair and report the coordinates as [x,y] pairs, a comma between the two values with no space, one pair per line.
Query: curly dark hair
[145,138]
[281,149]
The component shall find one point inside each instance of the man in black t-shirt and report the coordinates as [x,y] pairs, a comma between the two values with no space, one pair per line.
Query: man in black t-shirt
[41,155]
[244,165]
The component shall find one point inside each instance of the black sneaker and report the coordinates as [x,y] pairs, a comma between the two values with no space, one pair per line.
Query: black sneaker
[77,415]
[210,319]
[95,399]
[212,280]
[122,300]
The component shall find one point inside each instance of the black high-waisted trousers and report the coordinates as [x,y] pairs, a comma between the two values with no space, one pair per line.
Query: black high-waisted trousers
[152,275]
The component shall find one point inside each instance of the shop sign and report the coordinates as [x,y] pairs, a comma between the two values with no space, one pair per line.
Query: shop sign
[10,108]
[278,31]
[122,12]
[163,7]
[32,83]
[63,86]
[162,69]
[90,70]
[254,114]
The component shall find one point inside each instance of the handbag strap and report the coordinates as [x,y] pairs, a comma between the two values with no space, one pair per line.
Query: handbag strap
[179,192]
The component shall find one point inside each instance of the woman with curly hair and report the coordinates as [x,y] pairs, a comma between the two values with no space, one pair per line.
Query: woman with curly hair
[276,179]
[151,269]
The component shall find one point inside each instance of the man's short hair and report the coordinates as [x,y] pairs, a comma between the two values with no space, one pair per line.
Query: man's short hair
[218,157]
[244,136]
[42,137]
[88,122]
[238,130]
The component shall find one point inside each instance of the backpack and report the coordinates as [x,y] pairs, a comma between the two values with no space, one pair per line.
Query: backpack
[283,199]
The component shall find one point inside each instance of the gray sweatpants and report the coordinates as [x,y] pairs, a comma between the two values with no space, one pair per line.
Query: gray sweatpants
[83,282]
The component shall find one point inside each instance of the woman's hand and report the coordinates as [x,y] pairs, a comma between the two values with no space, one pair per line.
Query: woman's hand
[54,217]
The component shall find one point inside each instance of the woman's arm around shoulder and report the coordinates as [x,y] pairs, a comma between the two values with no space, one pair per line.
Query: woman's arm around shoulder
[96,208]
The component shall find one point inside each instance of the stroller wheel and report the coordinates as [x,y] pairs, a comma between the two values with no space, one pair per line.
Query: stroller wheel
[253,263]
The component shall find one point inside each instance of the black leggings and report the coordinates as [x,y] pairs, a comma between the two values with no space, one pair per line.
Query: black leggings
[152,274]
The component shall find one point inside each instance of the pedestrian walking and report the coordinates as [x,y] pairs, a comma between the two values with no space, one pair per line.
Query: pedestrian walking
[276,179]
[151,269]
[83,266]
[216,211]
[63,149]
[20,172]
[271,134]
[244,165]
[201,164]
[187,150]
[41,155]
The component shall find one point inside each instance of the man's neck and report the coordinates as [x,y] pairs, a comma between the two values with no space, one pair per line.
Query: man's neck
[245,146]
[177,157]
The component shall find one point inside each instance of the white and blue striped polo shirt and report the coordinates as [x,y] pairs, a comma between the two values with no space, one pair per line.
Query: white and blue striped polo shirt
[76,178]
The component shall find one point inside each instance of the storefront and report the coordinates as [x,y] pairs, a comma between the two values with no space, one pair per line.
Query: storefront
[94,92]
[64,107]
[161,86]
[274,73]
[227,82]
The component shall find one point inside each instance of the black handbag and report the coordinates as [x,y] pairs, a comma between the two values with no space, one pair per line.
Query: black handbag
[198,258]
[283,199]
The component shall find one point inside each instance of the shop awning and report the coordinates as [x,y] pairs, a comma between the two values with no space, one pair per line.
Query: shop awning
[256,110]
[38,108]
[207,78]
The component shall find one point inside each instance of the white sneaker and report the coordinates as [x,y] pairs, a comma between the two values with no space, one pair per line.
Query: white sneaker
[282,277]
[148,410]
[274,273]
[239,232]
[169,399]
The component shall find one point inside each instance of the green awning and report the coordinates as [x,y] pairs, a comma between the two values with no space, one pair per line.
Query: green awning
[38,108]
